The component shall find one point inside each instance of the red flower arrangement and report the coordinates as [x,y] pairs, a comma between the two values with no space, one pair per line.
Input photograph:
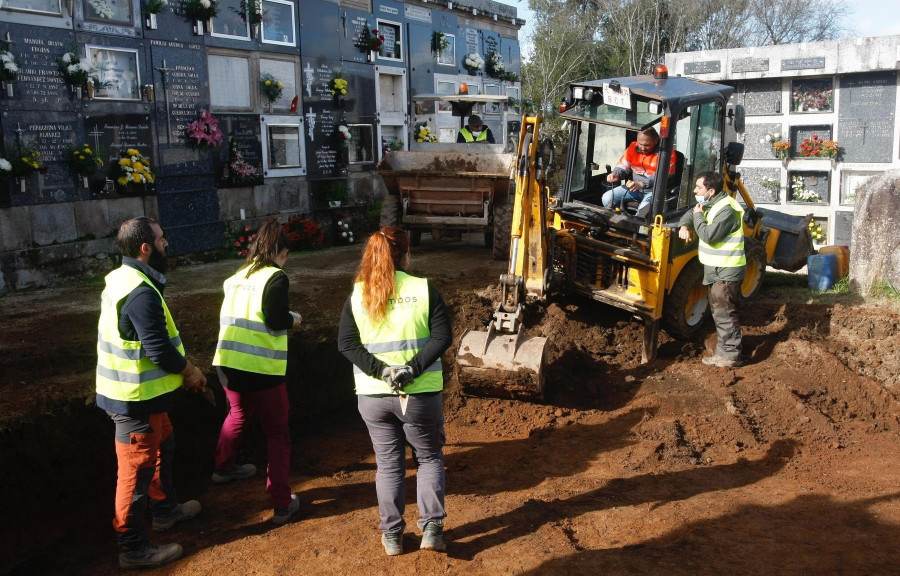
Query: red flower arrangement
[817,147]
[373,40]
[303,234]
[204,131]
[241,243]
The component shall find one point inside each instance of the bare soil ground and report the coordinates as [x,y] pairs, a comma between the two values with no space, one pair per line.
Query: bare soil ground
[786,465]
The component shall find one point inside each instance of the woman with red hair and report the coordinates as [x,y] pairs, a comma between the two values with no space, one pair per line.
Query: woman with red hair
[394,328]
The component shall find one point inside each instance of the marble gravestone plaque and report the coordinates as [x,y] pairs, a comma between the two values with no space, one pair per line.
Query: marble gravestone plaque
[803,63]
[866,117]
[705,67]
[173,23]
[761,97]
[316,78]
[756,146]
[801,133]
[749,65]
[353,39]
[245,130]
[113,135]
[471,43]
[361,81]
[180,85]
[324,156]
[53,135]
[843,227]
[319,40]
[763,184]
[40,85]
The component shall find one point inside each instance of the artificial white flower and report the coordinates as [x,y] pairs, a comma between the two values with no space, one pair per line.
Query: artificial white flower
[205,3]
[11,67]
[5,165]
[66,58]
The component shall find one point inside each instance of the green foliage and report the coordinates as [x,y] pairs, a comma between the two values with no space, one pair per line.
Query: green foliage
[884,291]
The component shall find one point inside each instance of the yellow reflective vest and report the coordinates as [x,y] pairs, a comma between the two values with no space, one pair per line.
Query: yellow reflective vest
[245,342]
[728,252]
[470,137]
[397,339]
[124,372]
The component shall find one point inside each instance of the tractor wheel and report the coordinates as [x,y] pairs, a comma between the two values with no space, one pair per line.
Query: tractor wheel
[756,268]
[687,305]
[502,224]
[390,211]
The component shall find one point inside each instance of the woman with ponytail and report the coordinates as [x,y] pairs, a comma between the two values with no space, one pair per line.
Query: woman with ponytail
[251,361]
[394,328]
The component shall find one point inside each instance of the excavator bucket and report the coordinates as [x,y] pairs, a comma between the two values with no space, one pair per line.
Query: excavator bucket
[502,365]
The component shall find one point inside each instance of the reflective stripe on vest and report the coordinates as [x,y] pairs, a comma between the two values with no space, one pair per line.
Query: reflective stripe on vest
[124,372]
[245,342]
[397,339]
[728,252]
[471,137]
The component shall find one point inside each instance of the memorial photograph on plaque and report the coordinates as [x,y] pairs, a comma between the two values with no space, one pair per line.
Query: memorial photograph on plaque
[117,71]
[228,22]
[278,23]
[444,87]
[361,149]
[808,187]
[40,6]
[447,56]
[392,49]
[118,11]
[812,95]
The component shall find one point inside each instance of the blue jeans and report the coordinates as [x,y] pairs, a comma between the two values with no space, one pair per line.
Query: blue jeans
[612,198]
[423,427]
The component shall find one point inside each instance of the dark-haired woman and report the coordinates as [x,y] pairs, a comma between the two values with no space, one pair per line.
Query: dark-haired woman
[394,328]
[251,360]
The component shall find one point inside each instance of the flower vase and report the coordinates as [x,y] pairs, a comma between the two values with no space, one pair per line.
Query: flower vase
[151,21]
[371,57]
[256,30]
[9,89]
[84,182]
[198,27]
[21,184]
[77,91]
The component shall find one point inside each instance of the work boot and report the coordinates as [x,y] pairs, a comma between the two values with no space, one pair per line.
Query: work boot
[433,537]
[150,556]
[393,543]
[184,511]
[719,362]
[282,515]
[237,473]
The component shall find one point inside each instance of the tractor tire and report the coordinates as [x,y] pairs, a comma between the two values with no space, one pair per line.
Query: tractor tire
[756,268]
[687,305]
[502,225]
[390,211]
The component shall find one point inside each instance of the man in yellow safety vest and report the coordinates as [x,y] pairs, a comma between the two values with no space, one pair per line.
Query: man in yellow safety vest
[718,220]
[475,131]
[140,363]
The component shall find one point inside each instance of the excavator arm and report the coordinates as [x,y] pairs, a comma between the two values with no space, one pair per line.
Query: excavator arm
[504,361]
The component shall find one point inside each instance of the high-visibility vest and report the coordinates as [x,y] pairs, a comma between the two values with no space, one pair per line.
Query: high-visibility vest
[470,137]
[728,252]
[245,342]
[124,372]
[399,337]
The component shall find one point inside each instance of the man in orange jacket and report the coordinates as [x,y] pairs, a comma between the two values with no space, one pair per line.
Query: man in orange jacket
[638,161]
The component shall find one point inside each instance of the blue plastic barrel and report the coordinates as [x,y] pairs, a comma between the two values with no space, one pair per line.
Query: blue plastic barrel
[823,271]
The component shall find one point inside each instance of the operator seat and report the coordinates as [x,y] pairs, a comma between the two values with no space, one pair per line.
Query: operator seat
[673,188]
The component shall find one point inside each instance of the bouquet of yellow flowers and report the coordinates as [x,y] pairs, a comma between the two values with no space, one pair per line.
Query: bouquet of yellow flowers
[270,87]
[424,134]
[818,232]
[85,161]
[338,86]
[134,169]
[26,163]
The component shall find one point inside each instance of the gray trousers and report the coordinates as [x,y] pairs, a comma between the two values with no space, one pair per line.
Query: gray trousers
[723,300]
[423,427]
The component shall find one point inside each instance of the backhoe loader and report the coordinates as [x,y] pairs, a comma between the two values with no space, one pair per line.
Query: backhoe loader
[569,243]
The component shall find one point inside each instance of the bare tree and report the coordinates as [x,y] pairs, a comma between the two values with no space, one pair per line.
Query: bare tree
[792,21]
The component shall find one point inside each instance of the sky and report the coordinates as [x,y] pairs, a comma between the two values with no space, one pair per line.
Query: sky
[867,18]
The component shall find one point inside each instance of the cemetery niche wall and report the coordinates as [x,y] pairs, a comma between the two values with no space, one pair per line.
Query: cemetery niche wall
[121,113]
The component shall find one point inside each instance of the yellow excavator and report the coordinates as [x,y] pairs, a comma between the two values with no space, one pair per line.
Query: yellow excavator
[625,256]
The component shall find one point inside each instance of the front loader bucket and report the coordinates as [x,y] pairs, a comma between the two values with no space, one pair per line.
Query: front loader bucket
[502,365]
